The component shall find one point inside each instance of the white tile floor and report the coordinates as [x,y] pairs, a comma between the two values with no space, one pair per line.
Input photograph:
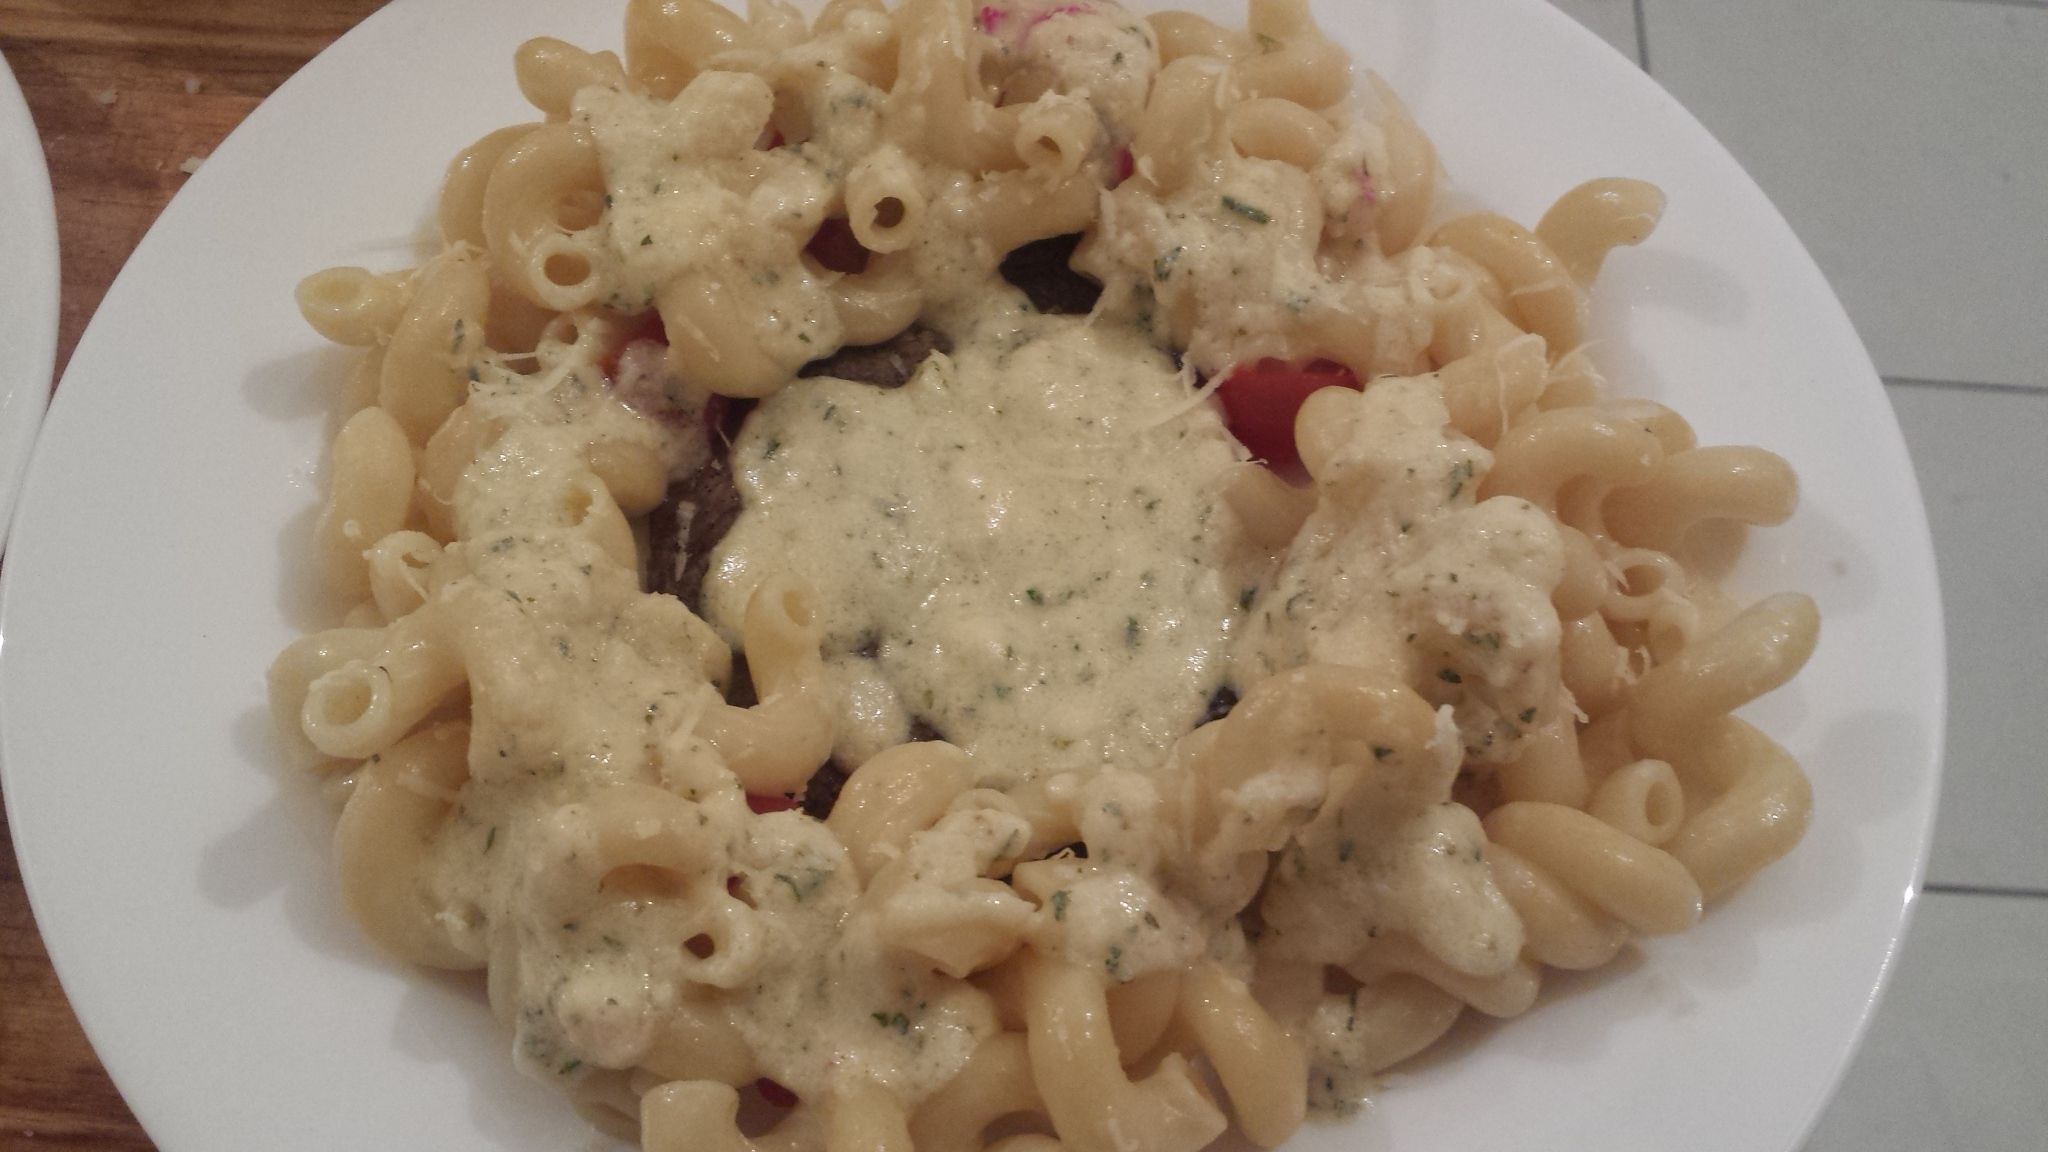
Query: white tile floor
[1613,20]
[1973,449]
[1953,1060]
[1907,142]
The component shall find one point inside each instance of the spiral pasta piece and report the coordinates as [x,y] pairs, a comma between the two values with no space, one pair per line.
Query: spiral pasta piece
[1010,577]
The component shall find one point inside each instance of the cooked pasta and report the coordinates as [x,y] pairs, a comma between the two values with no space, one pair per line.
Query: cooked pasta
[1004,576]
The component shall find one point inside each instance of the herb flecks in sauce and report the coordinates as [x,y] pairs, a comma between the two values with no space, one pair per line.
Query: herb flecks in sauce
[970,564]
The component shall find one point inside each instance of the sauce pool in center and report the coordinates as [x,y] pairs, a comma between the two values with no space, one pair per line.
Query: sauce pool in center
[1023,549]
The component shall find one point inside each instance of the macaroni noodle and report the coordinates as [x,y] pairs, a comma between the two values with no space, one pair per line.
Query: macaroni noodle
[1004,577]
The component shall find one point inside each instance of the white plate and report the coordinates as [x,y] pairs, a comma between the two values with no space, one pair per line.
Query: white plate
[28,289]
[182,881]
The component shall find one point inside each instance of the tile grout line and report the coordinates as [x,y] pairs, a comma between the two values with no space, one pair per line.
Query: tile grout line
[1962,385]
[2005,3]
[1642,38]
[1983,890]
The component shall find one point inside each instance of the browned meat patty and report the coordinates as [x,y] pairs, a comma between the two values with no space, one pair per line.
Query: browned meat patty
[700,508]
[696,514]
[1042,269]
[889,364]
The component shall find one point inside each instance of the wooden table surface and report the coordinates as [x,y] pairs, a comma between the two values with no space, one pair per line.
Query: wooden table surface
[123,92]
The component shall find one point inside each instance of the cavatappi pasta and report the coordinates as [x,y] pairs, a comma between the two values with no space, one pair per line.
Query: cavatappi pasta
[1243,790]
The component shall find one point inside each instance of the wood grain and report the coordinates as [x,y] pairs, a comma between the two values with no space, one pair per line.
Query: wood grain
[123,92]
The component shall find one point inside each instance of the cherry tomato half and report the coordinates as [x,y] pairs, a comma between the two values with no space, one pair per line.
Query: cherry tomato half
[774,1093]
[835,247]
[762,805]
[1125,165]
[1260,401]
[645,326]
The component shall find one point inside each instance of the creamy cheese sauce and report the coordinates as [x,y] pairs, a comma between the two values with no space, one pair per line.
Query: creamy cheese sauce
[1097,51]
[1023,547]
[1233,265]
[590,680]
[832,999]
[688,195]
[1400,569]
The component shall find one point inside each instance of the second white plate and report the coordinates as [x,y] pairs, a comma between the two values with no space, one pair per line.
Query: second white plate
[28,289]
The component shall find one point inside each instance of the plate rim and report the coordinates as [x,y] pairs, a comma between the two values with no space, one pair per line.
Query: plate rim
[25,176]
[1924,562]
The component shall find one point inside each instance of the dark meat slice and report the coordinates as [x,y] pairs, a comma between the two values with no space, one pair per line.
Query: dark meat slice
[822,792]
[700,508]
[741,694]
[1220,703]
[696,514]
[889,364]
[1041,268]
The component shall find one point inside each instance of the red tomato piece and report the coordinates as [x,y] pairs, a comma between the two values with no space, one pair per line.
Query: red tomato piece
[645,326]
[775,1093]
[762,805]
[1260,401]
[1125,165]
[834,246]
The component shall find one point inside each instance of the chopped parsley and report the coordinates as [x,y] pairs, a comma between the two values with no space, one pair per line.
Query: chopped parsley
[1163,267]
[1459,474]
[812,880]
[1059,904]
[1251,212]
[1450,677]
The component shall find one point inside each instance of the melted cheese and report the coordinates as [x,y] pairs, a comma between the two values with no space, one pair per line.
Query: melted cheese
[1401,570]
[1022,548]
